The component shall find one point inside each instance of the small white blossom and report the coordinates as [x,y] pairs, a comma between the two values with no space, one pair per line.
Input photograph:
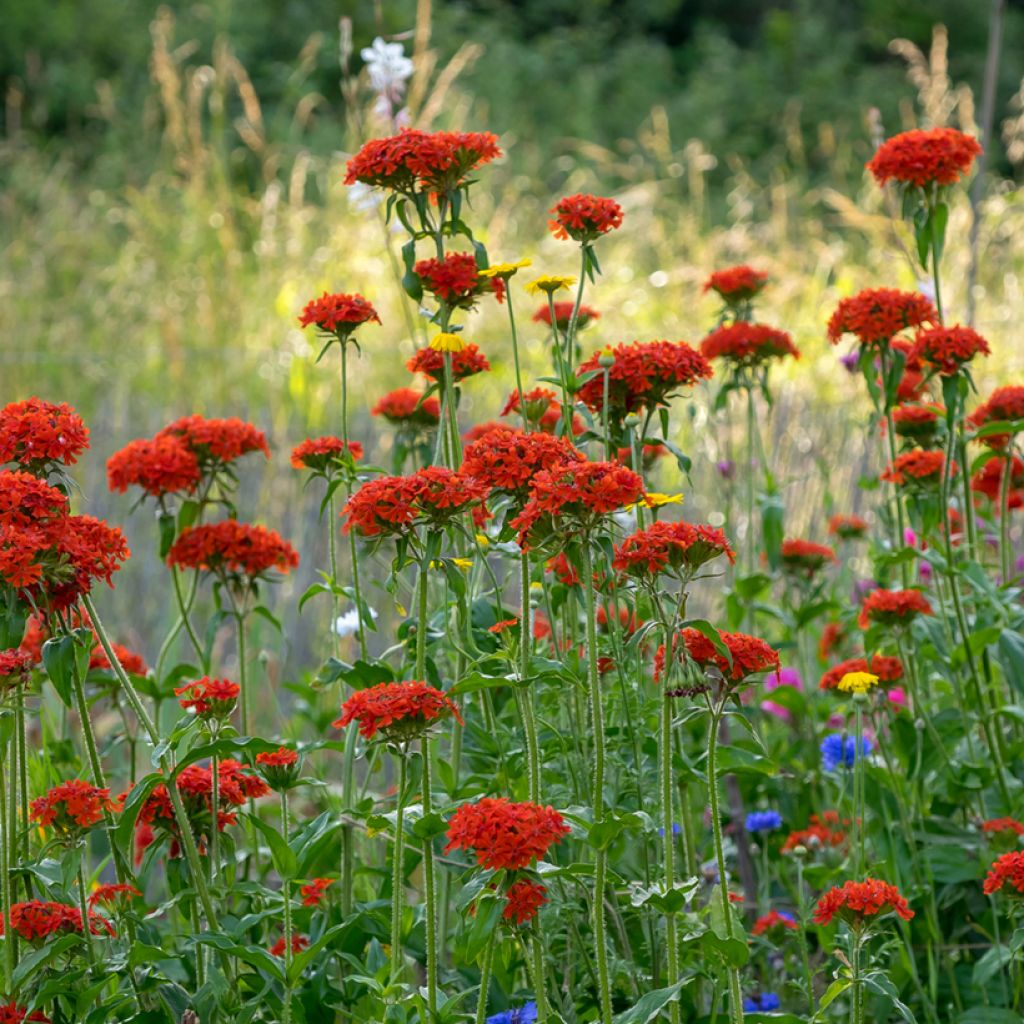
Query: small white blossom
[389,69]
[348,624]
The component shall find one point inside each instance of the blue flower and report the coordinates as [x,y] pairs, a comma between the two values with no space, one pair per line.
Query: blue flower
[838,750]
[762,1003]
[677,829]
[525,1014]
[763,821]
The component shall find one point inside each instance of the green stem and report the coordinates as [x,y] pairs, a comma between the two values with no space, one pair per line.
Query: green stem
[536,969]
[525,650]
[667,826]
[560,367]
[243,674]
[429,889]
[1005,547]
[597,725]
[515,356]
[83,908]
[397,875]
[749,491]
[5,881]
[735,992]
[22,754]
[287,898]
[858,787]
[485,979]
[858,985]
[805,956]
[183,611]
[360,625]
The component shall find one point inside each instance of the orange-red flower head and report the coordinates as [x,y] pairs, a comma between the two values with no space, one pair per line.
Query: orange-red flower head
[503,834]
[584,218]
[922,157]
[858,903]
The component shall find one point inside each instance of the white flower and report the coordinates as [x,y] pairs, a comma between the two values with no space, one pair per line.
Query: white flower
[348,624]
[388,68]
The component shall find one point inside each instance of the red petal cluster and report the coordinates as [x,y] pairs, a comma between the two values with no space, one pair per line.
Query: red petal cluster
[232,548]
[112,893]
[1007,870]
[989,479]
[665,546]
[887,668]
[72,806]
[39,919]
[1004,404]
[736,284]
[407,406]
[523,899]
[748,344]
[313,893]
[338,314]
[805,555]
[822,832]
[543,410]
[996,825]
[15,665]
[209,698]
[584,217]
[918,466]
[876,315]
[505,835]
[644,375]
[467,363]
[857,901]
[949,349]
[563,315]
[220,440]
[507,460]
[434,161]
[919,422]
[573,498]
[35,433]
[132,662]
[163,465]
[847,526]
[456,279]
[771,921]
[33,517]
[322,453]
[750,654]
[88,550]
[925,156]
[299,943]
[12,1013]
[280,758]
[893,607]
[399,504]
[399,710]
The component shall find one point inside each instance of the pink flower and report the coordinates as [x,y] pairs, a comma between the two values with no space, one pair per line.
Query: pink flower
[898,698]
[783,677]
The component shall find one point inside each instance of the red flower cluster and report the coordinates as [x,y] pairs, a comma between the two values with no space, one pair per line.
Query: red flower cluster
[12,1013]
[773,921]
[747,344]
[38,919]
[435,162]
[434,496]
[338,314]
[543,410]
[37,433]
[997,825]
[232,548]
[989,479]
[920,422]
[523,899]
[280,758]
[407,407]
[563,315]
[235,788]
[209,698]
[1005,404]
[88,550]
[644,375]
[855,902]
[467,363]
[805,556]
[876,315]
[402,711]
[822,832]
[893,607]
[949,349]
[163,465]
[279,767]
[112,893]
[750,654]
[507,460]
[847,527]
[15,665]
[887,668]
[736,284]
[505,835]
[72,806]
[134,664]
[456,279]
[299,943]
[924,156]
[313,893]
[918,467]
[33,516]
[218,440]
[1007,870]
[321,454]
[573,498]
[585,218]
[674,547]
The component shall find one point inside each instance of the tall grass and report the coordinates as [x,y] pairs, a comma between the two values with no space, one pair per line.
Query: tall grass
[141,302]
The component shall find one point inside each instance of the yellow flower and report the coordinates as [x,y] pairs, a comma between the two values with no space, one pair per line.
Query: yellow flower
[652,499]
[447,343]
[465,564]
[548,284]
[536,586]
[857,682]
[483,540]
[505,270]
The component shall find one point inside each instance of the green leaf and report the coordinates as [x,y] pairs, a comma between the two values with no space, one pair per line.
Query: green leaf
[29,964]
[65,655]
[285,861]
[1010,652]
[255,956]
[650,1005]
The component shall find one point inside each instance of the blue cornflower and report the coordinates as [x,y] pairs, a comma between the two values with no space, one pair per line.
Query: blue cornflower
[525,1014]
[761,1003]
[838,750]
[763,821]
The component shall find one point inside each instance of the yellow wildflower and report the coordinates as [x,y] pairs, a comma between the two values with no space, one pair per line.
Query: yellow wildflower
[548,284]
[445,342]
[483,540]
[857,682]
[505,270]
[653,499]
